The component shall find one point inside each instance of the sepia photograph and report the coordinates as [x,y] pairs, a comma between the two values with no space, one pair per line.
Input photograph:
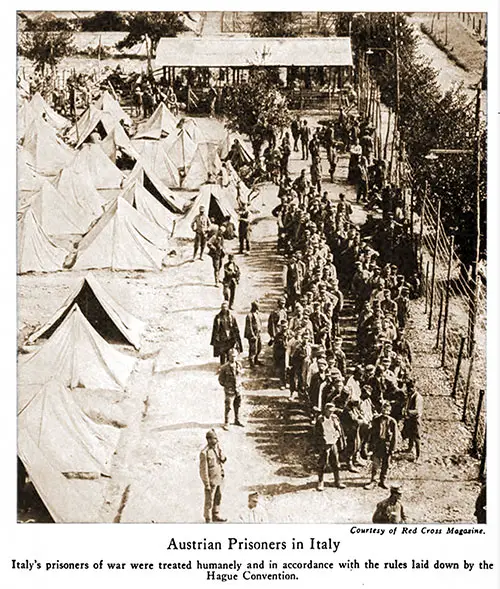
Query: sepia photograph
[251,267]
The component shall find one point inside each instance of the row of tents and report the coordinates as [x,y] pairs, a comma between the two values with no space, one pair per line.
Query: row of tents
[78,209]
[116,221]
[61,446]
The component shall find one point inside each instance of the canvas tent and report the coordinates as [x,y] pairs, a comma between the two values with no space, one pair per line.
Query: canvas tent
[180,149]
[35,251]
[57,214]
[212,198]
[28,181]
[203,168]
[79,356]
[107,103]
[154,153]
[106,315]
[92,161]
[36,108]
[78,190]
[97,121]
[117,140]
[144,202]
[44,151]
[58,426]
[160,124]
[122,239]
[144,174]
[54,437]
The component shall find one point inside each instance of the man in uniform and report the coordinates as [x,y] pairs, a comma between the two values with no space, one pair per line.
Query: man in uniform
[390,510]
[216,251]
[225,334]
[230,280]
[383,442]
[244,228]
[200,227]
[255,514]
[253,330]
[330,439]
[212,474]
[230,380]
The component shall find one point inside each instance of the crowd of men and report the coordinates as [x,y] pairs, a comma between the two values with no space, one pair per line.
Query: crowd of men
[362,402]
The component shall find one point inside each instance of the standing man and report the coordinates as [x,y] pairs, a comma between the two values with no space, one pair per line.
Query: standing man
[383,442]
[216,251]
[253,330]
[230,380]
[212,474]
[275,318]
[230,280]
[225,334]
[413,420]
[390,510]
[305,138]
[295,128]
[200,227]
[244,228]
[330,440]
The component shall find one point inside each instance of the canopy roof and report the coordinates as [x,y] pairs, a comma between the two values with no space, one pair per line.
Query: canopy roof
[106,315]
[253,51]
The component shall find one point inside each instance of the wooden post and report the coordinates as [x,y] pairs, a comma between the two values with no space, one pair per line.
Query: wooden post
[467,387]
[434,256]
[447,305]
[476,425]
[482,466]
[386,143]
[439,319]
[422,213]
[457,369]
[426,285]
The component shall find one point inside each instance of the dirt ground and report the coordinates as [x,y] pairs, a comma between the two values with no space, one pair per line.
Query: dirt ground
[173,398]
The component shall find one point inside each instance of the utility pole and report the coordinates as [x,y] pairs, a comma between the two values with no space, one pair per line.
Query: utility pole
[396,56]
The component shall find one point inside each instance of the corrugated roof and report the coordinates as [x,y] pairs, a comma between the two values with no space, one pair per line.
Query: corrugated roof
[260,51]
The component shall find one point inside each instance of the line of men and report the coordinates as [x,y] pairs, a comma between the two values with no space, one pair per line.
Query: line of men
[357,412]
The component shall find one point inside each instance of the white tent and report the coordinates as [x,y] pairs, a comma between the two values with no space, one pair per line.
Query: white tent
[144,202]
[106,315]
[203,168]
[109,104]
[56,438]
[28,181]
[78,190]
[180,149]
[57,214]
[154,153]
[94,120]
[92,161]
[79,357]
[122,239]
[215,203]
[145,175]
[58,426]
[117,140]
[160,124]
[35,251]
[37,107]
[43,149]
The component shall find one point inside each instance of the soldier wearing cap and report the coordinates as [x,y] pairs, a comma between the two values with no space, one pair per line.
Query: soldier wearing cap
[383,442]
[212,462]
[256,513]
[331,441]
[390,510]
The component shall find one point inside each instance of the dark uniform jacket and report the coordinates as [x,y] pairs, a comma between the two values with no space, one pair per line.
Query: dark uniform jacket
[225,334]
[389,512]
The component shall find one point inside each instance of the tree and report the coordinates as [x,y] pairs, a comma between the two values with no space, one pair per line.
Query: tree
[274,24]
[106,20]
[46,48]
[256,107]
[154,25]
